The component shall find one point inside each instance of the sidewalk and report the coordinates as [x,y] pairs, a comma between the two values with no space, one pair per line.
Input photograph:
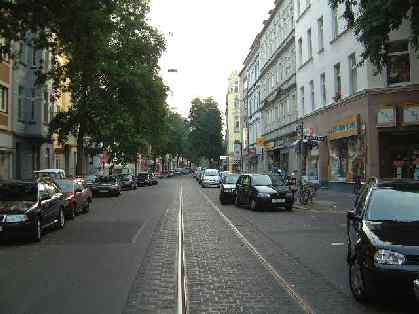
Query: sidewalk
[329,200]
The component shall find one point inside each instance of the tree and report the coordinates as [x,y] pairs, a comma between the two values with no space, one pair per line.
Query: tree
[111,68]
[373,20]
[205,138]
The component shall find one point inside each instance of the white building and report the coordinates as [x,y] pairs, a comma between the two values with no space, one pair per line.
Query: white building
[359,111]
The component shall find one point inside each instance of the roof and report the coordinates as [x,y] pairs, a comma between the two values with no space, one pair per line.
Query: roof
[49,170]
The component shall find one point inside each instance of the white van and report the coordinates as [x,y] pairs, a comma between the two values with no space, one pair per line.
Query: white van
[52,173]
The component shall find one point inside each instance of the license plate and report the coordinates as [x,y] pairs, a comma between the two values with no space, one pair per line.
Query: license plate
[103,191]
[279,201]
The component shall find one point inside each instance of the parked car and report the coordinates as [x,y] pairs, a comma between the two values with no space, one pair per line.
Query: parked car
[142,179]
[51,173]
[228,188]
[106,185]
[27,208]
[201,175]
[170,174]
[416,287]
[127,182]
[281,185]
[383,243]
[257,191]
[77,197]
[90,180]
[153,179]
[210,178]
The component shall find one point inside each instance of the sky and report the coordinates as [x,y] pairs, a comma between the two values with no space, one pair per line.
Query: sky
[206,41]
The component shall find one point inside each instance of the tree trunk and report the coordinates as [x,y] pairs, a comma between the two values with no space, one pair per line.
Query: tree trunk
[80,151]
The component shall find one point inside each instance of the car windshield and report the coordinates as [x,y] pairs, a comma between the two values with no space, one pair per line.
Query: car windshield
[277,180]
[231,179]
[66,185]
[261,180]
[394,205]
[106,180]
[18,192]
[211,173]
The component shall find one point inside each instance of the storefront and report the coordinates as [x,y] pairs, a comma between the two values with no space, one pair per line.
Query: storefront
[346,150]
[399,141]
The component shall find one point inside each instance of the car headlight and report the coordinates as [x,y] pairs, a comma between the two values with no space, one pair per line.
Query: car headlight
[264,195]
[16,218]
[386,257]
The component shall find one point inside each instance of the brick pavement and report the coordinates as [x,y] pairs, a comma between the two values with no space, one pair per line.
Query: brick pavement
[222,275]
[154,289]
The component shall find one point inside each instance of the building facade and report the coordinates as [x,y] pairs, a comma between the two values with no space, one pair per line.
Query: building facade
[269,93]
[368,121]
[232,118]
[7,151]
[33,109]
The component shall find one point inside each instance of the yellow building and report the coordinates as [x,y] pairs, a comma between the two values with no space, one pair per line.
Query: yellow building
[232,117]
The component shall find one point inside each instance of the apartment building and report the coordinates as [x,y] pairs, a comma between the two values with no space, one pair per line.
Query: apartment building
[370,120]
[7,150]
[232,118]
[33,109]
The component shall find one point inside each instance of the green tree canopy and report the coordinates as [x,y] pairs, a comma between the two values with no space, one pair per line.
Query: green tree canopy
[373,20]
[205,138]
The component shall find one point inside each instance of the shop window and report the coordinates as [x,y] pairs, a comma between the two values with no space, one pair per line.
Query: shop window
[3,98]
[398,65]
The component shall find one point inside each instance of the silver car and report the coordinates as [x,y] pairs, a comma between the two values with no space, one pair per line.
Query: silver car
[210,178]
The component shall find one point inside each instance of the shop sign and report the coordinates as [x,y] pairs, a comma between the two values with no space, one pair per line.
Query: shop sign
[223,157]
[411,115]
[345,128]
[386,117]
[268,145]
[315,138]
[260,142]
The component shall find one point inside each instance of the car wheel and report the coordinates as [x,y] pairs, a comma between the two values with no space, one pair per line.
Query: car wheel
[288,208]
[253,205]
[357,282]
[61,219]
[37,231]
[236,201]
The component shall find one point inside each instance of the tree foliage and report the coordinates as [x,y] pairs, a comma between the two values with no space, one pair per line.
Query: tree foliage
[111,68]
[205,138]
[373,20]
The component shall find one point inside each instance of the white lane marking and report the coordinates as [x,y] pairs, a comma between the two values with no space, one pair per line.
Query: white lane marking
[338,244]
[140,230]
[181,278]
[281,281]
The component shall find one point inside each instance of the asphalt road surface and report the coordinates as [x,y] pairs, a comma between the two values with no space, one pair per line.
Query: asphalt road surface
[121,257]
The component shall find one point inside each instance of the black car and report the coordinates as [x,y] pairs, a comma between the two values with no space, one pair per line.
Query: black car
[27,208]
[282,184]
[106,185]
[127,182]
[257,191]
[228,188]
[383,242]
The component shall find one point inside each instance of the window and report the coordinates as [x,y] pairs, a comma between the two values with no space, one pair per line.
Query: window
[309,44]
[236,103]
[237,125]
[323,88]
[302,99]
[33,56]
[353,75]
[335,23]
[46,107]
[300,51]
[398,65]
[320,30]
[33,105]
[20,100]
[312,99]
[338,82]
[3,98]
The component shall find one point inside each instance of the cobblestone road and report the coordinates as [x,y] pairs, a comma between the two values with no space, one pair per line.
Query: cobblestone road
[223,276]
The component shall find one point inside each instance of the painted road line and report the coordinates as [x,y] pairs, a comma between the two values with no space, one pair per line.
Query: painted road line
[338,244]
[279,279]
[140,230]
[181,278]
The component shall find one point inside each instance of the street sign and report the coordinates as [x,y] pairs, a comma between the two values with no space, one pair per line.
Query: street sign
[223,157]
[315,138]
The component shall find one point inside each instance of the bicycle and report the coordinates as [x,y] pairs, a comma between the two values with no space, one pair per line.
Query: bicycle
[306,193]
